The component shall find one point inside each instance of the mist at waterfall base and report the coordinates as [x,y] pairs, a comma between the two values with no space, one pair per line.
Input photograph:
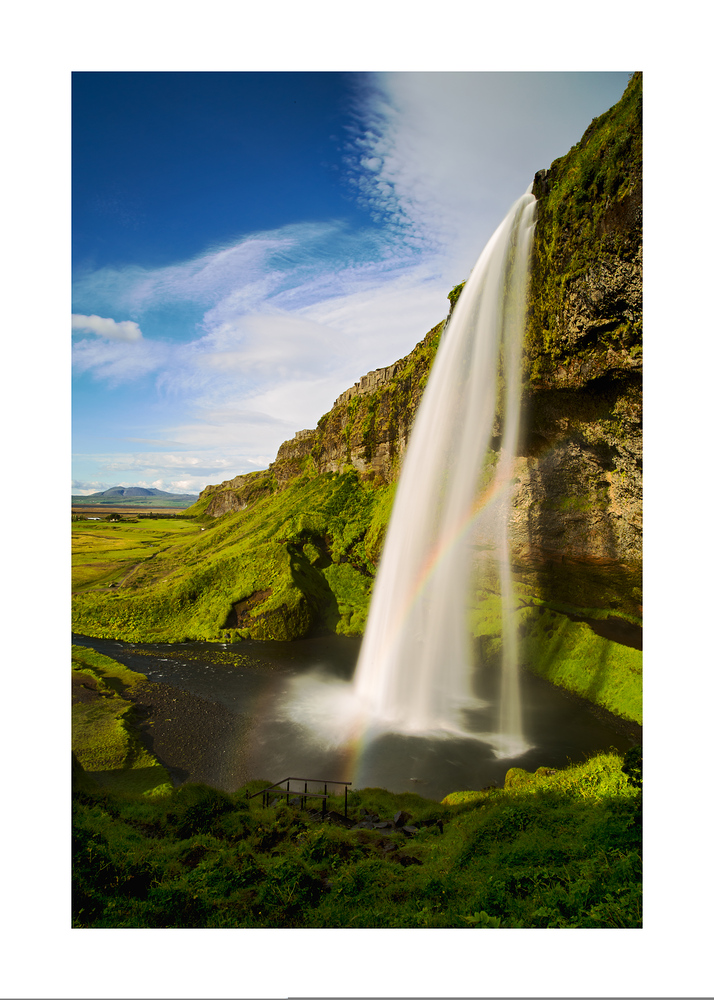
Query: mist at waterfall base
[223,718]
[416,670]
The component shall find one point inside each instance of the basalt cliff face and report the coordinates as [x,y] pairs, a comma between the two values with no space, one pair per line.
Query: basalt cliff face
[577,512]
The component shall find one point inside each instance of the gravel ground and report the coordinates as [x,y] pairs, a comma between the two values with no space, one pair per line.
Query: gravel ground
[195,739]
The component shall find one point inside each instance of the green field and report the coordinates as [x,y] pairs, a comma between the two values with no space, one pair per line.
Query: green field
[104,553]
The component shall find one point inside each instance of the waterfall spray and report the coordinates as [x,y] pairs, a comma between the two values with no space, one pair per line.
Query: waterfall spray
[415,670]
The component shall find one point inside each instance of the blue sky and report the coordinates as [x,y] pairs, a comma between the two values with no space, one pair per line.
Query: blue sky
[247,245]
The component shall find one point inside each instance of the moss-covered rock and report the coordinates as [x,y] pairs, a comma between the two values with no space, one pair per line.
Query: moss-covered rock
[516,776]
[577,516]
[106,750]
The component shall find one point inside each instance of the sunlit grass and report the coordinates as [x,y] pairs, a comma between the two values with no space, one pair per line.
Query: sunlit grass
[307,547]
[103,738]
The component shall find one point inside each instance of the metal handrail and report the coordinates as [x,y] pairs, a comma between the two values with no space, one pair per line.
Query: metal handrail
[303,795]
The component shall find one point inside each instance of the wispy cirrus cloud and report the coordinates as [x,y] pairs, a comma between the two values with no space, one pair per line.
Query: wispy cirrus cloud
[309,316]
[117,362]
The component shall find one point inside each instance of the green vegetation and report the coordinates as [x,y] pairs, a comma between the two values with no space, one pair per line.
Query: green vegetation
[455,293]
[569,654]
[583,202]
[300,560]
[103,555]
[308,552]
[104,743]
[565,652]
[554,849]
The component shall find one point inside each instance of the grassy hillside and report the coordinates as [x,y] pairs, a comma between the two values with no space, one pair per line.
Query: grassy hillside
[295,560]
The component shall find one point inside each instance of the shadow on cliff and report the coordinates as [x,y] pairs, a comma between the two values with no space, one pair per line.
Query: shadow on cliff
[572,548]
[306,575]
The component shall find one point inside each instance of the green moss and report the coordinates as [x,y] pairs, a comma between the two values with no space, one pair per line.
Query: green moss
[570,655]
[516,776]
[352,591]
[104,741]
[577,232]
[597,779]
[455,293]
[566,653]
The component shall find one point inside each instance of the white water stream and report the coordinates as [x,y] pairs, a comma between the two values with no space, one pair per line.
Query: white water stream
[415,670]
[416,667]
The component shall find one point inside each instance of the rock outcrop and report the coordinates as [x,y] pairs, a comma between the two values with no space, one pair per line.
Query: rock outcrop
[577,514]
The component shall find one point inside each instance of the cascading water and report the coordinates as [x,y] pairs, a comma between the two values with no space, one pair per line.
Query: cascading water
[416,667]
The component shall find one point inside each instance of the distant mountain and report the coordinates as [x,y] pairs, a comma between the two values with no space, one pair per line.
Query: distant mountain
[135,496]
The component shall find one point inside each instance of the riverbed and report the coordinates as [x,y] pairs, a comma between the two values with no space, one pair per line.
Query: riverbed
[224,714]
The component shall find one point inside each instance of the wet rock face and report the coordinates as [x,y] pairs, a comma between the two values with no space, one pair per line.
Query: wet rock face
[578,499]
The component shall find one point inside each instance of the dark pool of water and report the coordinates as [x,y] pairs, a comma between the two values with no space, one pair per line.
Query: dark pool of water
[253,679]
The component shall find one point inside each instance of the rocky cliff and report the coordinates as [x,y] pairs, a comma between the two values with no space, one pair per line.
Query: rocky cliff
[367,429]
[577,514]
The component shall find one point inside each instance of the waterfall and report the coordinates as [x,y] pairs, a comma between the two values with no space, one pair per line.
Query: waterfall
[415,670]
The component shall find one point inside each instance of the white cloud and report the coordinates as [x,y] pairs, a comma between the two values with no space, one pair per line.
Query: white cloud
[124,330]
[442,156]
[242,275]
[149,462]
[272,344]
[118,362]
[82,487]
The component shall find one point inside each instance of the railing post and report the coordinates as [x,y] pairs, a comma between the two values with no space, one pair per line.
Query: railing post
[345,801]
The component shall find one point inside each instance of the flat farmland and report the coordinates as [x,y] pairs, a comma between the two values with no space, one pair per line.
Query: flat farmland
[103,553]
[104,510]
